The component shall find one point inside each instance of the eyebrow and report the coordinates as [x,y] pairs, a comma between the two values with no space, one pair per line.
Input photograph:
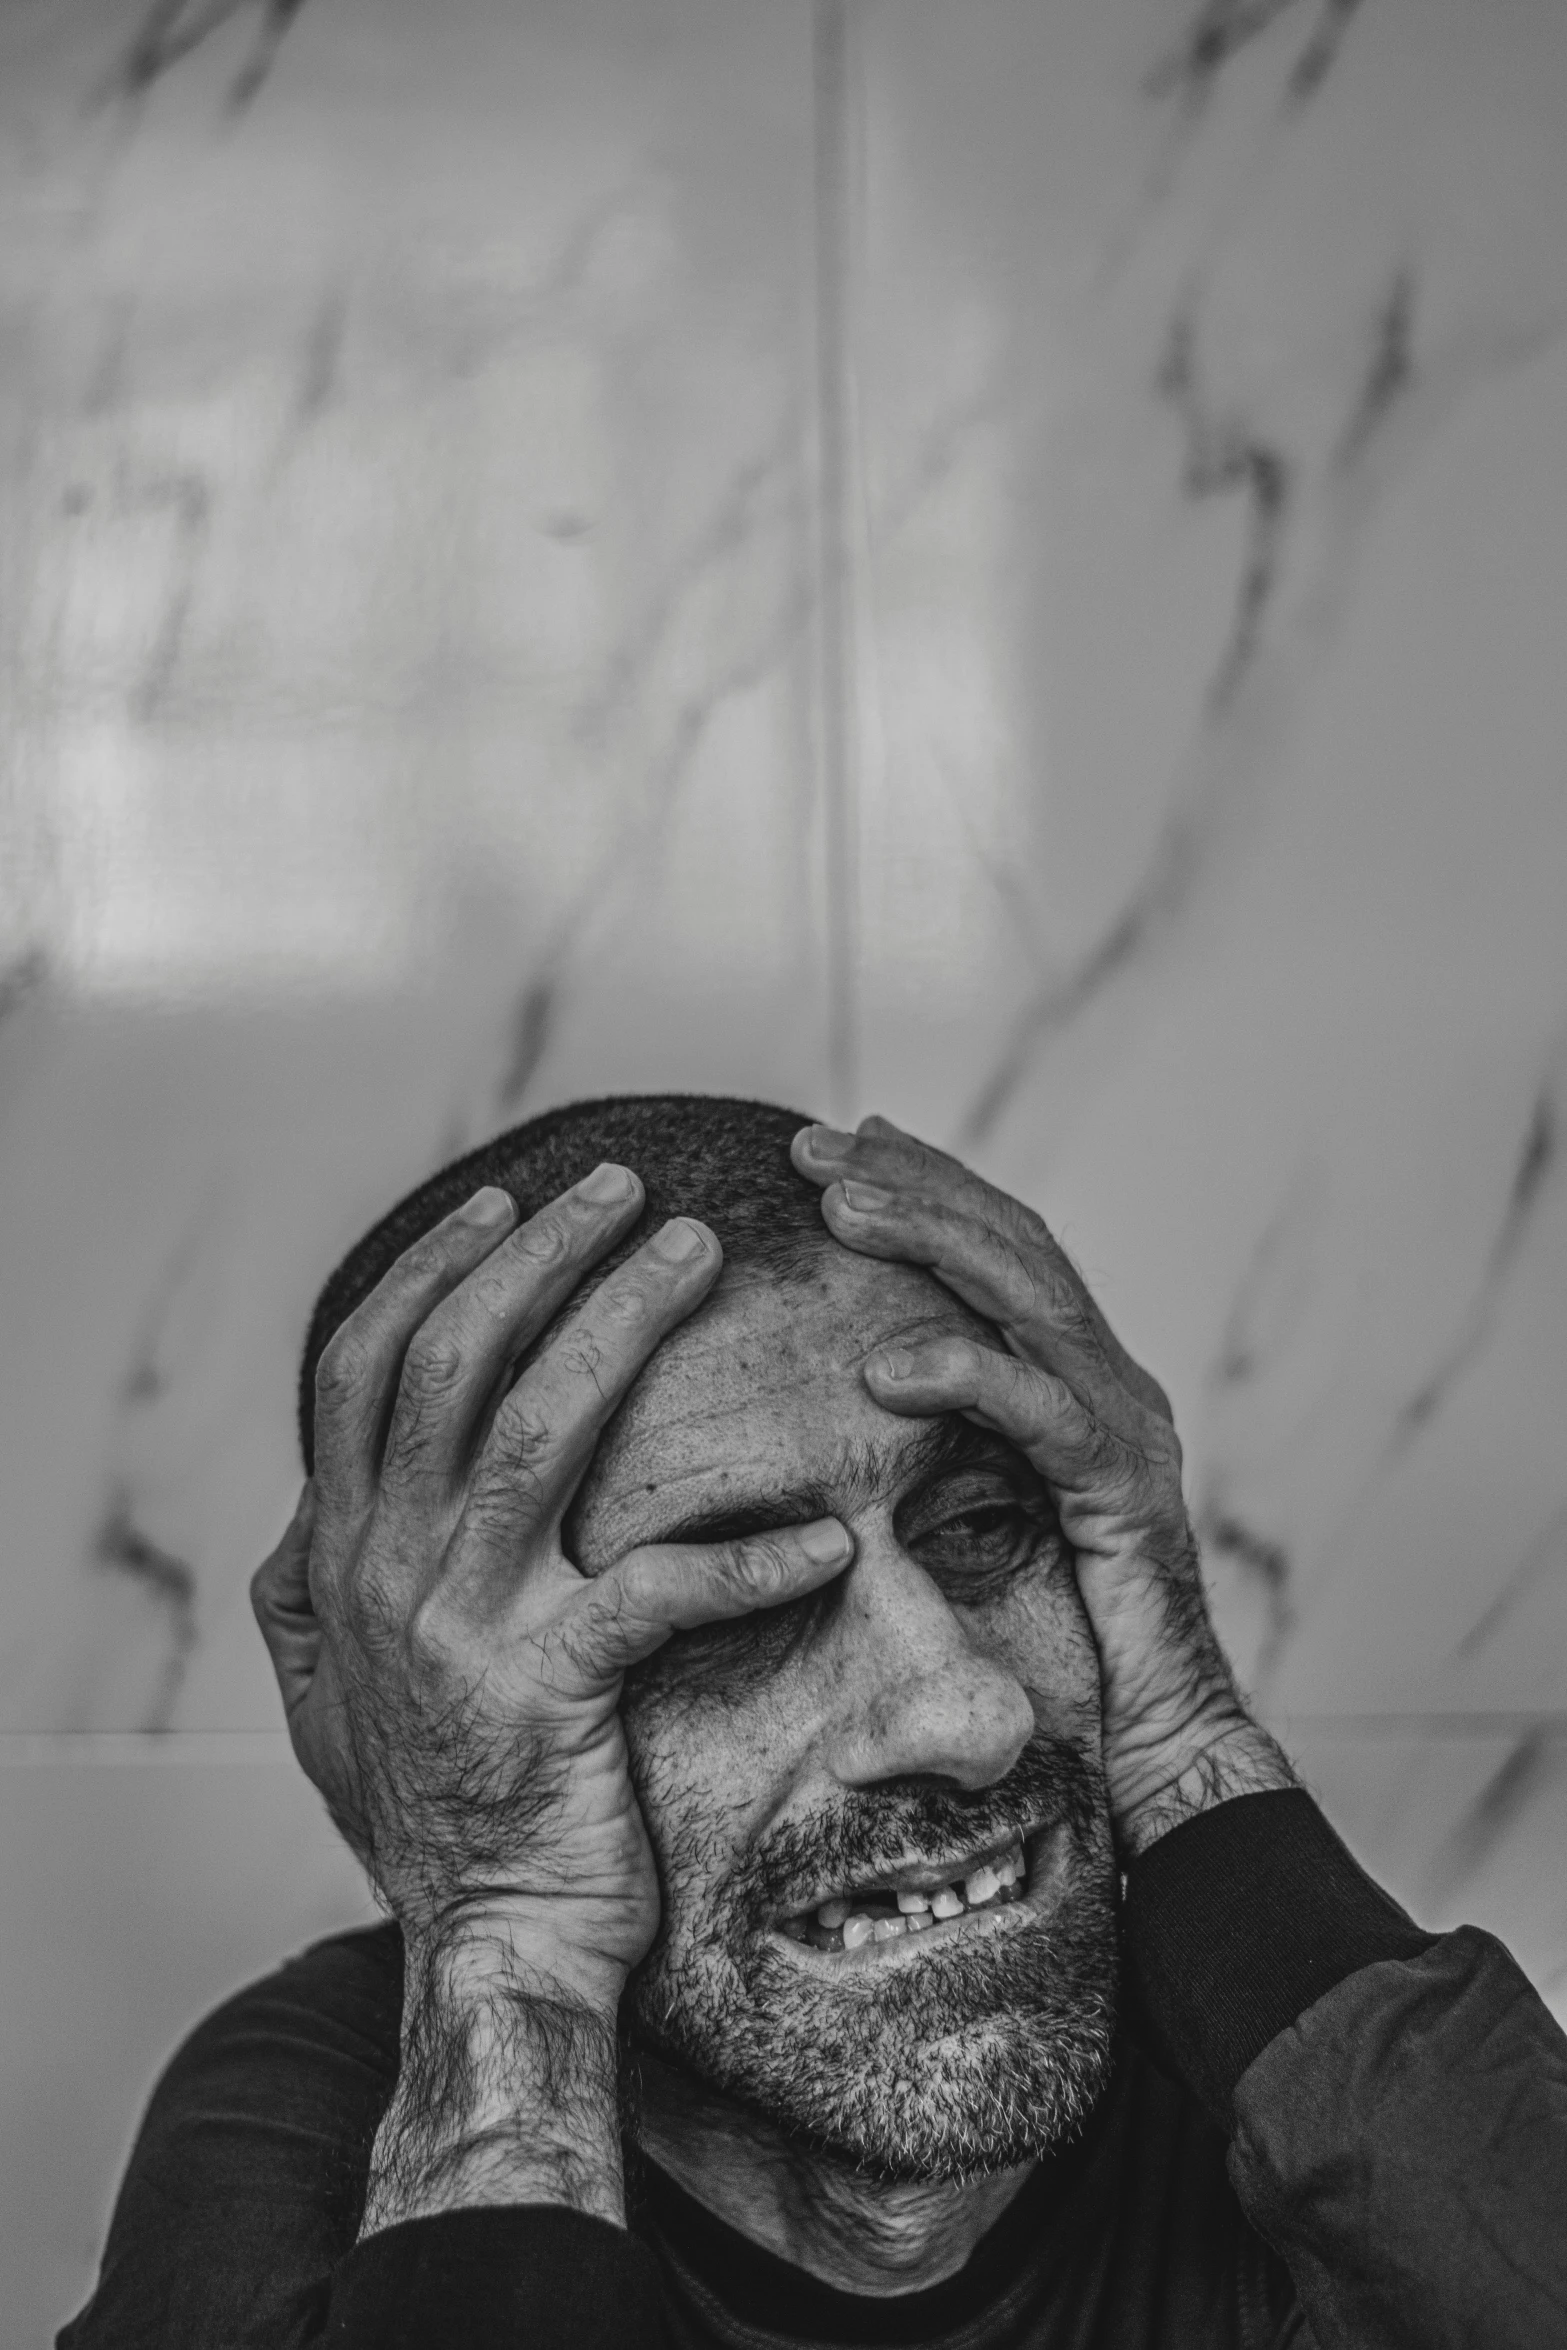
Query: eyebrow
[863,1471]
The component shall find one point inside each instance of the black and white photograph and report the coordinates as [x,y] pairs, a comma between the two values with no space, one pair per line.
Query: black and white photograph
[783,1174]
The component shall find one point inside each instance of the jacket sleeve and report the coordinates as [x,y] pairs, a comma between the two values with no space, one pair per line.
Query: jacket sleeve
[1396,2101]
[493,2279]
[236,2220]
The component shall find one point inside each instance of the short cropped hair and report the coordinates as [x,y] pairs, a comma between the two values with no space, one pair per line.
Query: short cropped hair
[705,1155]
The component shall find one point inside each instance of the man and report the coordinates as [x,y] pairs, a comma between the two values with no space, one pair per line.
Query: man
[744,1615]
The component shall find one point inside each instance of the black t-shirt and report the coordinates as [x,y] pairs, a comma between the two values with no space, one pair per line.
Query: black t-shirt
[1131,2237]
[1301,2063]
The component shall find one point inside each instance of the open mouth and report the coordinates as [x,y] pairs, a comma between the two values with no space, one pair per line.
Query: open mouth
[913,1901]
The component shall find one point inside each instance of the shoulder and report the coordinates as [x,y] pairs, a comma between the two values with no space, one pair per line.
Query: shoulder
[247,2177]
[342,1997]
[287,2078]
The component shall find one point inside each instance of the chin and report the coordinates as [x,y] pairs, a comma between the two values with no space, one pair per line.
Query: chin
[972,2110]
[959,2062]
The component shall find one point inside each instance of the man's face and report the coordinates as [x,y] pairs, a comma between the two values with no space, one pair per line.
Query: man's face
[931,1708]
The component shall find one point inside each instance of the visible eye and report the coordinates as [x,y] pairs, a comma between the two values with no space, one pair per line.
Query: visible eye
[972,1538]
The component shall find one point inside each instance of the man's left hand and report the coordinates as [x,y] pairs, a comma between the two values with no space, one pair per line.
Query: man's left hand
[1064,1391]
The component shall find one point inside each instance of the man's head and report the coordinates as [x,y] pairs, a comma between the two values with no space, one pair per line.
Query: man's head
[932,1705]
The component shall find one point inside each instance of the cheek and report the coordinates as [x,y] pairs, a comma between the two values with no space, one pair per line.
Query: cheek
[1040,1630]
[707,1775]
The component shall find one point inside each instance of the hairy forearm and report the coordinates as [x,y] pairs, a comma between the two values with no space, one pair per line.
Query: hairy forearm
[506,2092]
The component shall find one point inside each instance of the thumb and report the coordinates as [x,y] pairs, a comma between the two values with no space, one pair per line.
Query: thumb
[280,1600]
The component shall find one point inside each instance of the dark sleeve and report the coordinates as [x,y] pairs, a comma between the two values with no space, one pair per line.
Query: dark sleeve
[554,2280]
[1396,2100]
[235,2224]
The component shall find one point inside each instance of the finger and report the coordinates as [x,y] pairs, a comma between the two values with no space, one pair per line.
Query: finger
[468,1341]
[881,1177]
[882,1164]
[280,1600]
[632,1609]
[997,1254]
[356,1378]
[1101,1476]
[820,1152]
[887,1195]
[543,1434]
[1021,1290]
[877,1151]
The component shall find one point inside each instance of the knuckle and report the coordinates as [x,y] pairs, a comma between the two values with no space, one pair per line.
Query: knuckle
[1023,1282]
[433,1252]
[1124,1468]
[344,1368]
[428,1638]
[1066,1301]
[371,1613]
[1058,1402]
[625,1302]
[762,1566]
[1073,1325]
[958,1362]
[434,1365]
[523,1432]
[1026,1224]
[540,1241]
[640,1588]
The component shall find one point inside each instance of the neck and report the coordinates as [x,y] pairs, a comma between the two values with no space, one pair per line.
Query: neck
[821,2215]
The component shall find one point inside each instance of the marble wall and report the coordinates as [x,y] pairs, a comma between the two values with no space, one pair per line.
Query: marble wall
[1004,564]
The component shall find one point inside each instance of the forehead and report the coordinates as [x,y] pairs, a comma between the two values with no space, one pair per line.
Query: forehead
[761,1389]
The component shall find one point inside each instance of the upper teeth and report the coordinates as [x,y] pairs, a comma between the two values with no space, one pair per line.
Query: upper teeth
[917,1908]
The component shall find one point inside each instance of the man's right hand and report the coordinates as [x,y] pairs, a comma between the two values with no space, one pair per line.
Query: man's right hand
[451,1680]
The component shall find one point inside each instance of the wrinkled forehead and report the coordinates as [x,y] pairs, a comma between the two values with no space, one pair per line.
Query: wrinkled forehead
[760,1390]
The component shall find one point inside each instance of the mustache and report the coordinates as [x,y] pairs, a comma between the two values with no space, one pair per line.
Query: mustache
[868,1831]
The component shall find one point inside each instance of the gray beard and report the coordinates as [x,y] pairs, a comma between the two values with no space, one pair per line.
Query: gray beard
[980,2056]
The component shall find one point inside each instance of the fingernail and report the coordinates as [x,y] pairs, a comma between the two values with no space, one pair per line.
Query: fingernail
[490,1206]
[895,1363]
[680,1241]
[607,1185]
[826,1142]
[825,1542]
[864,1199]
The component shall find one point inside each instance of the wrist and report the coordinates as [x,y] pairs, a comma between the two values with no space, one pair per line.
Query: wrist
[507,2088]
[501,1947]
[1194,1774]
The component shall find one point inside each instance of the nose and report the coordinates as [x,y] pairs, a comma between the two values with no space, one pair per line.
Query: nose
[916,1697]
